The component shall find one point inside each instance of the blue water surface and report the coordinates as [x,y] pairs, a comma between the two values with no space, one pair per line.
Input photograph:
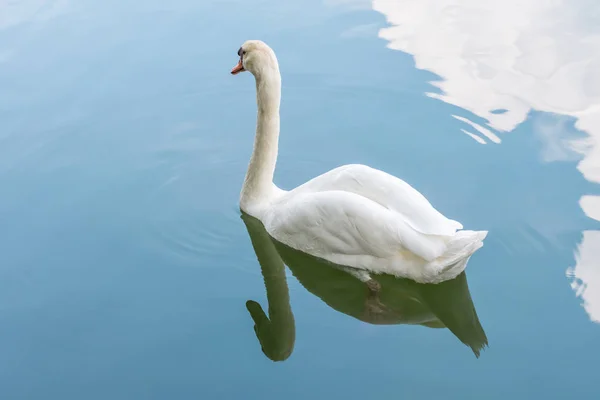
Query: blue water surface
[125,266]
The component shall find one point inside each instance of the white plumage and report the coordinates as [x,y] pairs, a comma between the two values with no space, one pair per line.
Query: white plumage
[353,215]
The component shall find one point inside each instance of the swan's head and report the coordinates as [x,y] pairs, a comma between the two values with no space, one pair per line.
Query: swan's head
[257,58]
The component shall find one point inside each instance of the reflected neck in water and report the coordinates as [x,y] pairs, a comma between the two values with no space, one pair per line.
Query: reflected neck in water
[277,332]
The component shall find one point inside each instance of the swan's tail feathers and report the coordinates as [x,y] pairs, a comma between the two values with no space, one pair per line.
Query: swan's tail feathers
[456,225]
[457,254]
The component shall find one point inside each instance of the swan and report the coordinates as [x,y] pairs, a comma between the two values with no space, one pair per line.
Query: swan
[353,215]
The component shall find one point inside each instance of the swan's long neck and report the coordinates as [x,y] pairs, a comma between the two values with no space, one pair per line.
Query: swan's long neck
[258,185]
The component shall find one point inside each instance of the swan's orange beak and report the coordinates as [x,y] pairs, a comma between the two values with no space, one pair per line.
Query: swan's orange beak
[238,68]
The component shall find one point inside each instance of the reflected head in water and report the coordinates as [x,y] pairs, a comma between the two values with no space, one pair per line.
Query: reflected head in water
[276,338]
[391,301]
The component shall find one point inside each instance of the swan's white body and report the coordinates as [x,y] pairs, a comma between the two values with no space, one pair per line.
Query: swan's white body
[353,215]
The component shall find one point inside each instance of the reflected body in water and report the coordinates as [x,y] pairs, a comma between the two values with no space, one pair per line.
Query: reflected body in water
[389,301]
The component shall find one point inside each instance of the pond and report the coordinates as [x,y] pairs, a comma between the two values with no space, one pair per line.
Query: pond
[128,271]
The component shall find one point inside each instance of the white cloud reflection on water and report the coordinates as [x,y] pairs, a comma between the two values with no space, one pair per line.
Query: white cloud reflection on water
[502,59]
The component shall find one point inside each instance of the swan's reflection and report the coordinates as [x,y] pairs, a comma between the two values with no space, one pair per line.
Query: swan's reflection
[387,301]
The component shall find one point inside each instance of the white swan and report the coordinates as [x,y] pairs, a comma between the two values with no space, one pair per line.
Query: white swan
[353,215]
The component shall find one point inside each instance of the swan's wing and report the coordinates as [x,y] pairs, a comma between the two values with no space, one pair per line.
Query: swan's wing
[343,223]
[388,191]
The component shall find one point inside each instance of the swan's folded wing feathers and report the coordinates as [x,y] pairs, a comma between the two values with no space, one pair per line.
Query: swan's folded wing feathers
[397,195]
[339,222]
[388,191]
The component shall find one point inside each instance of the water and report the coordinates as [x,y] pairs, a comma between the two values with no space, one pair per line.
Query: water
[126,266]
